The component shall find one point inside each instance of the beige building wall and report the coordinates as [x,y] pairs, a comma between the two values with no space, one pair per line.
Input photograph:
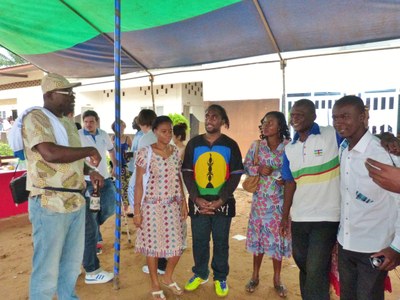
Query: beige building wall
[244,117]
[168,99]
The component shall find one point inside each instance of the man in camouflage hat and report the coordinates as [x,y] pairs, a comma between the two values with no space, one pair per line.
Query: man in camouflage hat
[55,167]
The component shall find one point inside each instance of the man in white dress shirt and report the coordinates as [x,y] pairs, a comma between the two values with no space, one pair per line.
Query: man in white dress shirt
[370,216]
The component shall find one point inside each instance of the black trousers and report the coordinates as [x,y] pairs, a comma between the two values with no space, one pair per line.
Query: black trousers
[312,244]
[358,279]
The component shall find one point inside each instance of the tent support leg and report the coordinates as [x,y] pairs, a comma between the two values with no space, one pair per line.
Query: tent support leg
[283,100]
[117,78]
[271,36]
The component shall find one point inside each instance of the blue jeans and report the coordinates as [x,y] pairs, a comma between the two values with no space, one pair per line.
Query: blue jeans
[312,244]
[358,279]
[94,220]
[90,260]
[203,227]
[58,242]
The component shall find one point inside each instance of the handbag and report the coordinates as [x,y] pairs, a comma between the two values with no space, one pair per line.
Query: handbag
[18,188]
[250,183]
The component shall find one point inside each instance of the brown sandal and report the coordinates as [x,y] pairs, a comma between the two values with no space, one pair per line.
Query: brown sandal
[251,285]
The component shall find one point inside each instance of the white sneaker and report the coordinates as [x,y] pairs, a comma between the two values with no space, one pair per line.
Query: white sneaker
[101,277]
[145,269]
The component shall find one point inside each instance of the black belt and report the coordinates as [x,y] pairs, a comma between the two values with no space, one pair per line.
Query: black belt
[59,189]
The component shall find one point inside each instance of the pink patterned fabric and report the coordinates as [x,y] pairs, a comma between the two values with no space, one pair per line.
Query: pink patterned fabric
[161,232]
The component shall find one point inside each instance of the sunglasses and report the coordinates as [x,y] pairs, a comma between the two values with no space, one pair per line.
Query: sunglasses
[69,93]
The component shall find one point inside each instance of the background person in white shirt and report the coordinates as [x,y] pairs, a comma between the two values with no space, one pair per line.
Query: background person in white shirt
[145,120]
[370,219]
[91,135]
[6,125]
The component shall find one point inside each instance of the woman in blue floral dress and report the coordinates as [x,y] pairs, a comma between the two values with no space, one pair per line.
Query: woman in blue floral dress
[266,209]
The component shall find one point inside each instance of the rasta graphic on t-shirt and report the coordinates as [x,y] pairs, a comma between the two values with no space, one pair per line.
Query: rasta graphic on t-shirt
[211,168]
[210,173]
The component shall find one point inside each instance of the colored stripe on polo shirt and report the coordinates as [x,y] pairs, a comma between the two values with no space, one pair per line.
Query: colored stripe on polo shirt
[319,173]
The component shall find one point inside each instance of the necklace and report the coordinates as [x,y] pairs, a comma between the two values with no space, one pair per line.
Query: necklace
[164,150]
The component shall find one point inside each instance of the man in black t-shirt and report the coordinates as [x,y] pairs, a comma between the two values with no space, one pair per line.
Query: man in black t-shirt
[211,169]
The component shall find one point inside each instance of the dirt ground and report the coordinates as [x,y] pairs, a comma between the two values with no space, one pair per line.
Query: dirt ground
[16,255]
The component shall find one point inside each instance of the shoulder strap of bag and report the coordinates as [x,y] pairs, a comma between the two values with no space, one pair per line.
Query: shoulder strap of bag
[149,153]
[16,168]
[256,153]
[147,174]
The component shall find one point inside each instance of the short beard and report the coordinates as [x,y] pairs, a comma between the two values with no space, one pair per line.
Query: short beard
[215,130]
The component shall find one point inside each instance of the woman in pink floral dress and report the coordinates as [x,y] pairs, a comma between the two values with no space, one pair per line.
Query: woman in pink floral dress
[266,209]
[160,206]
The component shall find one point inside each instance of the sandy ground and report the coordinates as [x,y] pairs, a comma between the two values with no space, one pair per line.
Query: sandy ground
[16,254]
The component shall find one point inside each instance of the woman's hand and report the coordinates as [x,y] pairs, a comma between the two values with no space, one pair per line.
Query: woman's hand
[137,220]
[265,170]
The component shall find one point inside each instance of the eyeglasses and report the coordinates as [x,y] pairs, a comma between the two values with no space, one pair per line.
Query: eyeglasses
[69,93]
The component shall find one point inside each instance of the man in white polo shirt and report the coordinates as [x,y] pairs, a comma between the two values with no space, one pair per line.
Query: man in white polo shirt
[370,215]
[311,173]
[91,135]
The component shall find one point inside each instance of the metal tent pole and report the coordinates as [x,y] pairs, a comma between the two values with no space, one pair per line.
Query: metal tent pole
[117,78]
[283,103]
[271,36]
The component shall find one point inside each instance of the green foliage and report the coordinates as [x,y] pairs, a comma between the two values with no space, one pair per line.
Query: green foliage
[178,118]
[5,150]
[11,59]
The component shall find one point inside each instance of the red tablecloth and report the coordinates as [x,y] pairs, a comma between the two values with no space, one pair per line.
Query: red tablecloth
[7,206]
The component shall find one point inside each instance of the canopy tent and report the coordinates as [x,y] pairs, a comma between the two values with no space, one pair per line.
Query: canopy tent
[75,38]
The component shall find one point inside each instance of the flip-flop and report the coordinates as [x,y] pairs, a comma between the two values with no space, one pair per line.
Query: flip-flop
[158,295]
[281,290]
[174,288]
[251,285]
